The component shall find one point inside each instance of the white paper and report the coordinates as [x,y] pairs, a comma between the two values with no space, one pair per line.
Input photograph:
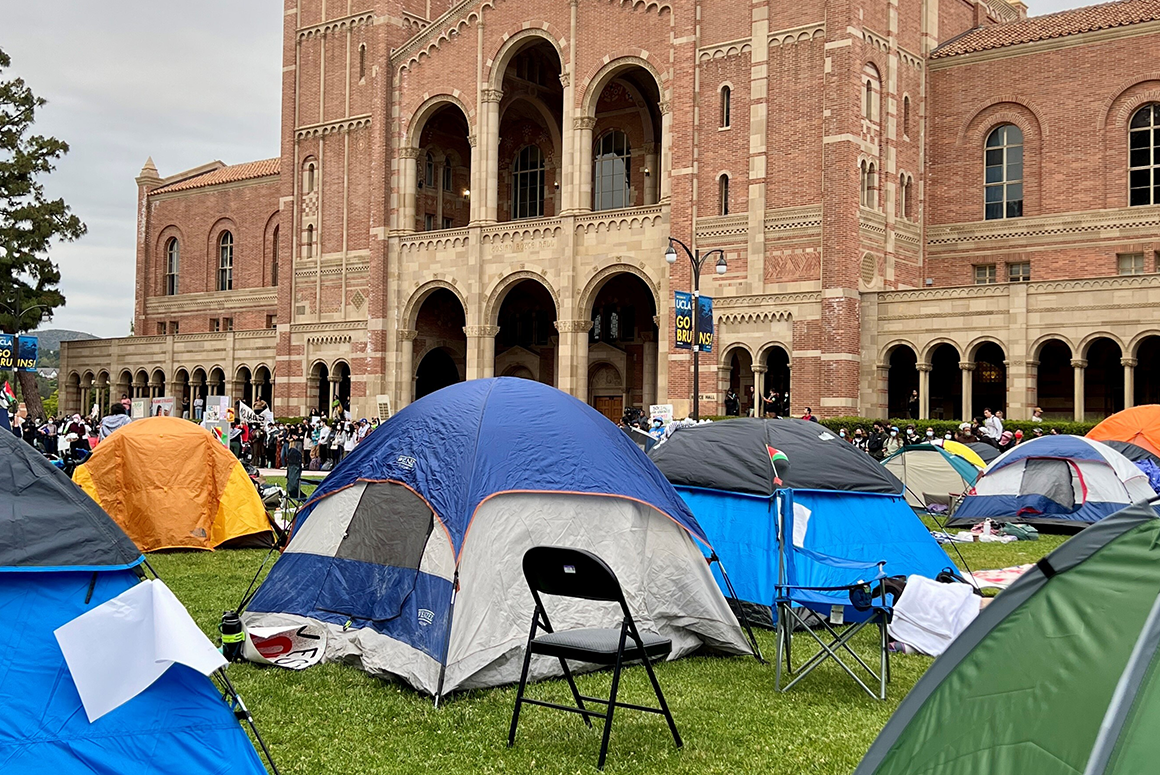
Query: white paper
[801,523]
[118,649]
[294,647]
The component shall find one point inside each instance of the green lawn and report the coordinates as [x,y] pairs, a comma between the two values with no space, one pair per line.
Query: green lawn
[335,718]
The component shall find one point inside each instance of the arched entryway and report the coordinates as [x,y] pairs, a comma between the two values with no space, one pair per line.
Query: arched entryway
[436,371]
[183,402]
[217,382]
[946,383]
[157,384]
[777,383]
[1055,380]
[989,380]
[740,374]
[622,346]
[340,385]
[443,173]
[244,386]
[1103,379]
[901,380]
[1147,371]
[440,344]
[264,386]
[318,388]
[527,335]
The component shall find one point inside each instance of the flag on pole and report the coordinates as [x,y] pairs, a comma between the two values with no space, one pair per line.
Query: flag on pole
[7,396]
[774,456]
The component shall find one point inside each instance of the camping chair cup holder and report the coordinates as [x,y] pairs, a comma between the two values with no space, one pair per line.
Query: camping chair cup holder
[575,573]
[793,600]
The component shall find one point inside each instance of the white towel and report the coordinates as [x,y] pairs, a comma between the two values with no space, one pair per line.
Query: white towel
[930,615]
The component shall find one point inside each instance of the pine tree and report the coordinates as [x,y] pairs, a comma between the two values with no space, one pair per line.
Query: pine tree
[29,221]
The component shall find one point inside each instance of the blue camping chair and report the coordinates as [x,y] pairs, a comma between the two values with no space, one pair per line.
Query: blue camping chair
[814,587]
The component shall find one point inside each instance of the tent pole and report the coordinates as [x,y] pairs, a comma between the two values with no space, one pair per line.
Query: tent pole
[740,608]
[447,640]
[942,527]
[243,714]
[250,590]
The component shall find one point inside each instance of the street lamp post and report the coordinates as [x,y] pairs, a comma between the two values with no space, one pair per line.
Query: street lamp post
[697,260]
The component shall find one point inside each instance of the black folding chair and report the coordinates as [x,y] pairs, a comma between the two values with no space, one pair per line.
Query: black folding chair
[575,573]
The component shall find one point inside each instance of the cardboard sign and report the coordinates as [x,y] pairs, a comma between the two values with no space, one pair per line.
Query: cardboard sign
[663,411]
[295,648]
[163,407]
[139,408]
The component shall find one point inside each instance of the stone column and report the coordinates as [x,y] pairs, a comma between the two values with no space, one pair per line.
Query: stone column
[490,155]
[968,372]
[1129,365]
[651,174]
[759,370]
[439,192]
[1032,386]
[649,389]
[474,173]
[408,189]
[569,170]
[582,136]
[572,357]
[924,370]
[480,351]
[1078,364]
[666,165]
[215,386]
[334,383]
[406,381]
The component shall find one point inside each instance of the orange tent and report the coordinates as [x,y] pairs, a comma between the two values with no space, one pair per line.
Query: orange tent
[1139,425]
[171,485]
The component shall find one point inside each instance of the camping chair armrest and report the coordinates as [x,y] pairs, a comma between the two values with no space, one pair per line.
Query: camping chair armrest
[843,588]
[841,562]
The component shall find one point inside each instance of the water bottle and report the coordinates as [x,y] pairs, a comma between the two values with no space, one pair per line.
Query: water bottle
[233,638]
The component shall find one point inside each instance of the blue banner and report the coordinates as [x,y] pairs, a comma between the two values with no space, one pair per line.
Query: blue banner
[705,324]
[684,326]
[7,351]
[26,352]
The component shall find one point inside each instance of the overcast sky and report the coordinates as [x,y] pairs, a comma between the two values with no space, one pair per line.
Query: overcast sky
[185,83]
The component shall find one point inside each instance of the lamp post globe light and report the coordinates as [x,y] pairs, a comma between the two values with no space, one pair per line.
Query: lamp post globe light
[697,259]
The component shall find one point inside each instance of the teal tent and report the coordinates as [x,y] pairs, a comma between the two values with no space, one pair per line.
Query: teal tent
[1058,675]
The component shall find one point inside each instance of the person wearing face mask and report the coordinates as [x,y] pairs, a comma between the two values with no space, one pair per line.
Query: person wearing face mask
[843,435]
[911,435]
[859,439]
[893,441]
[930,434]
[876,444]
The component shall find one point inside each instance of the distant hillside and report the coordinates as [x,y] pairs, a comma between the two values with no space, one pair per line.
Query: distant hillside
[50,338]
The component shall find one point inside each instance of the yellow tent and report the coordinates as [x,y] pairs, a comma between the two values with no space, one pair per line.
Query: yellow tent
[171,485]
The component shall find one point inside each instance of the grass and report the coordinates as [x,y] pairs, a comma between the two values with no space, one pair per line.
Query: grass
[335,718]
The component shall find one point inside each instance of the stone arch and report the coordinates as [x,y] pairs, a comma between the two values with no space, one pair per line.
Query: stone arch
[764,350]
[506,283]
[884,353]
[925,353]
[1036,347]
[556,153]
[420,294]
[1002,110]
[1086,343]
[972,349]
[1133,347]
[511,45]
[428,108]
[727,350]
[612,66]
[601,278]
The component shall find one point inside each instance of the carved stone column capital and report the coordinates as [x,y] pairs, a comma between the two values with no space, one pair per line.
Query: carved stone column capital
[491,95]
[1079,363]
[480,331]
[584,122]
[409,153]
[406,334]
[573,326]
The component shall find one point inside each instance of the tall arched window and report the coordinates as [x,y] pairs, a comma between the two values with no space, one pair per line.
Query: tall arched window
[225,279]
[1144,156]
[869,184]
[726,106]
[871,83]
[723,195]
[528,183]
[1003,186]
[611,159]
[308,178]
[274,258]
[172,265]
[362,61]
[905,203]
[429,171]
[308,248]
[906,116]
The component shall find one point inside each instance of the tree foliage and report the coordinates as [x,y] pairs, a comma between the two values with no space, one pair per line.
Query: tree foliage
[29,221]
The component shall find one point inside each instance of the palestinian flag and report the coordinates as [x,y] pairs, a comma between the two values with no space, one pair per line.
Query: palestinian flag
[7,397]
[774,456]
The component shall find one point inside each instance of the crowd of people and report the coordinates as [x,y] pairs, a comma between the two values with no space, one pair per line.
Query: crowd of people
[321,441]
[883,439]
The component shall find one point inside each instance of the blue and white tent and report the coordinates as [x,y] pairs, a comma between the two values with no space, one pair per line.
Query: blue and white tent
[1053,480]
[62,556]
[408,558]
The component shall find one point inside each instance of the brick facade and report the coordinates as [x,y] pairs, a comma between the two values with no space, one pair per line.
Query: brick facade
[491,191]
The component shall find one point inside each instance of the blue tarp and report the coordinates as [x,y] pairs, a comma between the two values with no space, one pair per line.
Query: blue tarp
[862,527]
[472,440]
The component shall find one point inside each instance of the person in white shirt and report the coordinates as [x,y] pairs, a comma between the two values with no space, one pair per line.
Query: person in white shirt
[992,426]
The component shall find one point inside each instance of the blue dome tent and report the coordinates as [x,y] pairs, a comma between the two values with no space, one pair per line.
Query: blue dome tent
[851,506]
[62,556]
[407,560]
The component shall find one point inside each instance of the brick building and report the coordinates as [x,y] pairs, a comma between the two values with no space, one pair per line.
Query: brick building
[941,195]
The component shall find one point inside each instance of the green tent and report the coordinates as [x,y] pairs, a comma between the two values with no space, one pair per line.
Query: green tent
[1058,675]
